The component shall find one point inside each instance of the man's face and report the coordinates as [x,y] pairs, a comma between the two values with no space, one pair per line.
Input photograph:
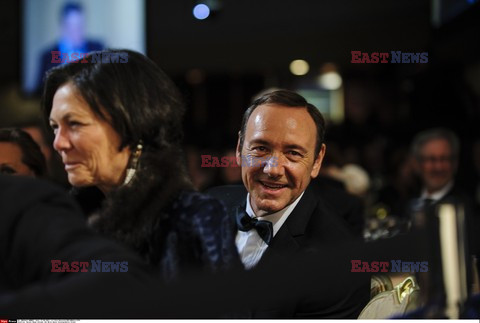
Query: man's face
[74,29]
[11,160]
[286,136]
[436,165]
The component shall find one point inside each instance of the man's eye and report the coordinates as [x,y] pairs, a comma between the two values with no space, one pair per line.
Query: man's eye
[260,148]
[295,153]
[7,170]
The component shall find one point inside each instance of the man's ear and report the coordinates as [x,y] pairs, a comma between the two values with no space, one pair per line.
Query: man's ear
[238,152]
[317,164]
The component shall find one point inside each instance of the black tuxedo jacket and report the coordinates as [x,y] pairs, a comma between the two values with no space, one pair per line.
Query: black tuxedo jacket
[429,220]
[456,195]
[347,206]
[308,229]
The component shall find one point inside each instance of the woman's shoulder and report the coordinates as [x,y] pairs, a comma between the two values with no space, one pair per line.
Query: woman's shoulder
[191,203]
[203,222]
[191,197]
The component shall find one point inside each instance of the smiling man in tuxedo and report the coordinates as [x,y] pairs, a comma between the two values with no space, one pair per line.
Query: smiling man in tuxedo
[277,211]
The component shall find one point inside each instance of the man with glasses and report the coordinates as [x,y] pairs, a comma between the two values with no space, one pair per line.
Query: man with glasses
[436,160]
[436,156]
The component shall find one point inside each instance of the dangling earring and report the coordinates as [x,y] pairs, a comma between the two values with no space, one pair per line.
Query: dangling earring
[132,167]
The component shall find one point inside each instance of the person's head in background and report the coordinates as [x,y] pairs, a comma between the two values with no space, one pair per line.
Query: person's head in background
[108,117]
[40,136]
[436,153]
[287,133]
[72,22]
[20,155]
[230,175]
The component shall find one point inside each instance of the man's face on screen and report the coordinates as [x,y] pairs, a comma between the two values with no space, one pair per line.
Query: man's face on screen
[73,29]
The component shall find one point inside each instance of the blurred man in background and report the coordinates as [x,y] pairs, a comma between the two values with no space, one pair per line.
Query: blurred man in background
[73,40]
[436,154]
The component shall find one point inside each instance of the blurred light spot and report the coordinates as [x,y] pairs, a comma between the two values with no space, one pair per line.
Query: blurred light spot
[201,11]
[330,81]
[299,67]
[381,213]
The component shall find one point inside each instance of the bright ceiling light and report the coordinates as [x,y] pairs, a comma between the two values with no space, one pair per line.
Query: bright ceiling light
[299,67]
[201,11]
[330,80]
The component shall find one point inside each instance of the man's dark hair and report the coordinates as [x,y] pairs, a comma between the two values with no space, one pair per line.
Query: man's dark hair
[136,97]
[32,156]
[288,99]
[70,7]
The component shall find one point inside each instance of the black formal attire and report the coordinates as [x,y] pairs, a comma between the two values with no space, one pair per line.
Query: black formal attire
[428,208]
[40,223]
[309,226]
[455,195]
[347,206]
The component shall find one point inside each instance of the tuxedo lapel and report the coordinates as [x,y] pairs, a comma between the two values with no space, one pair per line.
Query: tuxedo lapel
[298,220]
[282,244]
[288,238]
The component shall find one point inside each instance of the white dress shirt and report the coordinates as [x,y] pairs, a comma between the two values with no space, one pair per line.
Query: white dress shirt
[250,245]
[436,196]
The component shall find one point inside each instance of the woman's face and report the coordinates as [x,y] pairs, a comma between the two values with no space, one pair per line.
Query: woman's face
[88,145]
[11,160]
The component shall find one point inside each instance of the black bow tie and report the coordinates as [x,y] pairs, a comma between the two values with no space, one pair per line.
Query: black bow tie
[246,223]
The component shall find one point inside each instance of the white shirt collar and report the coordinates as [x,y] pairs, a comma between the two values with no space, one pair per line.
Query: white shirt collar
[277,218]
[438,194]
[249,244]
